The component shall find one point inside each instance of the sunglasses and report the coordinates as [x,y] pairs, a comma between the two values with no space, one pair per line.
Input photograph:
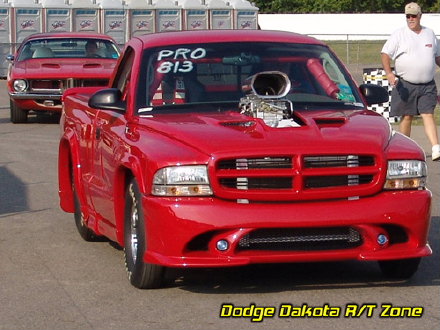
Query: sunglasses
[411,16]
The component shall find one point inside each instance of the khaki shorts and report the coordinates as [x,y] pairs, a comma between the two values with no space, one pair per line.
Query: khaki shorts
[413,99]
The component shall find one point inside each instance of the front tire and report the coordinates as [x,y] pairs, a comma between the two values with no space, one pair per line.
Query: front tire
[85,232]
[141,275]
[399,269]
[18,115]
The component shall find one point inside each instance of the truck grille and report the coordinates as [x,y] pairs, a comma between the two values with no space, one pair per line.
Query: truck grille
[301,239]
[296,177]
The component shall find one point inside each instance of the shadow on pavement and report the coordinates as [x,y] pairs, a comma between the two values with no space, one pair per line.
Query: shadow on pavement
[13,193]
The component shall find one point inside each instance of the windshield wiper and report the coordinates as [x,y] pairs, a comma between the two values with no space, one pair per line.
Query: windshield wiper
[191,107]
[335,104]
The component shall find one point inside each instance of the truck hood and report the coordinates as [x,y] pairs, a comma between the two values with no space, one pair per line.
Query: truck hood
[229,133]
[47,68]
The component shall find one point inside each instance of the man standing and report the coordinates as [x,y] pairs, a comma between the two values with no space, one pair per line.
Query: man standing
[415,51]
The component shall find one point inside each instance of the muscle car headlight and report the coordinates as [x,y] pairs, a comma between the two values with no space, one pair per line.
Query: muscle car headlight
[20,85]
[406,174]
[182,181]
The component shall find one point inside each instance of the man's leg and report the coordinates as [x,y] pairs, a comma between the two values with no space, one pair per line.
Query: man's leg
[405,125]
[431,133]
[430,128]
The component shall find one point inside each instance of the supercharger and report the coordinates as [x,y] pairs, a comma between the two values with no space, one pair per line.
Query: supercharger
[266,99]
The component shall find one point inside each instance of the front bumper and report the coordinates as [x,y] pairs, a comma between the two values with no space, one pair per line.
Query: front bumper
[174,225]
[37,101]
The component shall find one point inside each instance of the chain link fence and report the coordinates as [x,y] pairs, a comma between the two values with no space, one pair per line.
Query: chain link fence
[359,52]
[358,55]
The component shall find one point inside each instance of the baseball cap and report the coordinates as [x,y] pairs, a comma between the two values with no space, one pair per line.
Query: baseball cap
[413,9]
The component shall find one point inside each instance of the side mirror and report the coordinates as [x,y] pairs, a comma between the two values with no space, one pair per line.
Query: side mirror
[374,94]
[10,58]
[107,99]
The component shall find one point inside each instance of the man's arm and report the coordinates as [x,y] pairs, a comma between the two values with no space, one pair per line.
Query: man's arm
[437,60]
[386,64]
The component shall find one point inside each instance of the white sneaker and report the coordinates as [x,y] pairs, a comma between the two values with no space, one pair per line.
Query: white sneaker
[436,152]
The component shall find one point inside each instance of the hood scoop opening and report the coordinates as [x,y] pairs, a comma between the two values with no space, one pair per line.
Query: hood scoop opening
[239,124]
[50,65]
[330,122]
[91,65]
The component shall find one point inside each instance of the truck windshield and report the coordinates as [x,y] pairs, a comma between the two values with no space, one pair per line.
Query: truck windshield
[215,73]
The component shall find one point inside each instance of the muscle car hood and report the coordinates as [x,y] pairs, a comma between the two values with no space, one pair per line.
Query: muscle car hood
[324,132]
[63,68]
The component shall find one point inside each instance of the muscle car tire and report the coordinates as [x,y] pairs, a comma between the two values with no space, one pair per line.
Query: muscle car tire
[141,275]
[399,269]
[86,233]
[18,115]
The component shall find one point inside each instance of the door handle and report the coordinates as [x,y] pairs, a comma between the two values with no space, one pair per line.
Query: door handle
[98,133]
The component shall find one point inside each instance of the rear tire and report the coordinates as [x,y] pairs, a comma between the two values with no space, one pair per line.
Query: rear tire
[141,275]
[399,269]
[18,115]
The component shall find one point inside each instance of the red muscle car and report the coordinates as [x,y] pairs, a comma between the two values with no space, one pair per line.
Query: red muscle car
[227,148]
[46,64]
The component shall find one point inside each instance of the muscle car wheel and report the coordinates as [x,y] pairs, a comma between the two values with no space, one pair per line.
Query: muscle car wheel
[399,269]
[141,275]
[86,233]
[18,115]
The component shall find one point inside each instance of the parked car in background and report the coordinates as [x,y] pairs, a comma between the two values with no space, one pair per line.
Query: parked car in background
[46,64]
[228,148]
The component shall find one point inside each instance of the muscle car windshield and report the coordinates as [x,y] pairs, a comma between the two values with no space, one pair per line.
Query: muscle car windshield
[212,73]
[68,48]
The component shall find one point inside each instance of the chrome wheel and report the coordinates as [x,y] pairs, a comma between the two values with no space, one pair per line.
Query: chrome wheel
[141,274]
[134,230]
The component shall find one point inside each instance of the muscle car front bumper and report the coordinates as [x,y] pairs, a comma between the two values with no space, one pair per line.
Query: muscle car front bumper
[37,101]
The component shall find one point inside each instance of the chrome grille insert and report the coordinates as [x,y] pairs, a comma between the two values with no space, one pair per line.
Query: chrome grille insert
[337,161]
[258,183]
[336,181]
[255,163]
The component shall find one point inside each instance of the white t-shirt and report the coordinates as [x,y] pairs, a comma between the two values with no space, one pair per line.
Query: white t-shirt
[413,54]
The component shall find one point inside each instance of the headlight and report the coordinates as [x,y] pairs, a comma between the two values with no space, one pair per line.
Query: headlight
[182,181]
[406,174]
[20,85]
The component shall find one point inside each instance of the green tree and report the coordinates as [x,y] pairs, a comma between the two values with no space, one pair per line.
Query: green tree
[342,6]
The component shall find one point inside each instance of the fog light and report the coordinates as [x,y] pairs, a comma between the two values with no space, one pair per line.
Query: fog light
[222,245]
[382,239]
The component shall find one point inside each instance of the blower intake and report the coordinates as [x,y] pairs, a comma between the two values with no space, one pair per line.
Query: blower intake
[265,99]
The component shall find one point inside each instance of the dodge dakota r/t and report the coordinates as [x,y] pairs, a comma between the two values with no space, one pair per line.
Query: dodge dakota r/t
[227,148]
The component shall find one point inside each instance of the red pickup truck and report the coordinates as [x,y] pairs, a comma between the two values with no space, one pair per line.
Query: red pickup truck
[227,148]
